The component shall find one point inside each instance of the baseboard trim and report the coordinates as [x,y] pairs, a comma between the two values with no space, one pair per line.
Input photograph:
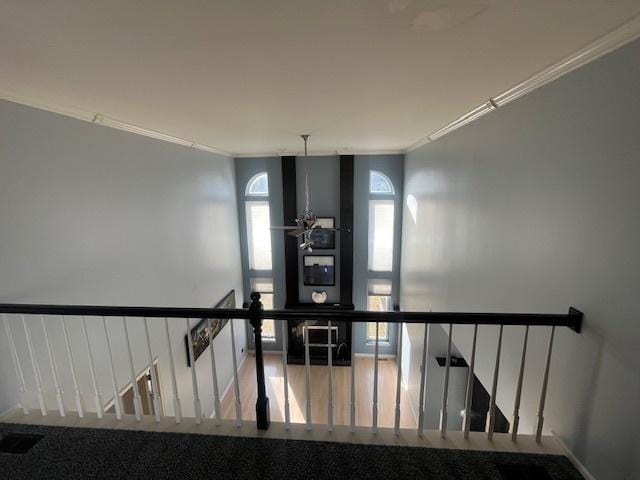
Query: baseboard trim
[380,355]
[10,410]
[576,463]
[267,352]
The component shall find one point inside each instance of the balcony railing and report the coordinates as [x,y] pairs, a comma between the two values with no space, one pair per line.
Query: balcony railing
[24,314]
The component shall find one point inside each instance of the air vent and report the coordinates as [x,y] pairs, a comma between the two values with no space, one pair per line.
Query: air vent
[18,442]
[522,472]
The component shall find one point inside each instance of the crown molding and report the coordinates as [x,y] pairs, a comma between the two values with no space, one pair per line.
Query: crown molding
[105,121]
[616,38]
[260,155]
[369,152]
[319,153]
[67,111]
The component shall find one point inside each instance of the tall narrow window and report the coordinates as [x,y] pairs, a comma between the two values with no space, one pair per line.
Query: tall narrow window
[378,300]
[264,286]
[258,234]
[381,235]
[258,218]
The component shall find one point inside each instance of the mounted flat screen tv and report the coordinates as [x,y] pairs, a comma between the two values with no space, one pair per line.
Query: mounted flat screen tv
[319,270]
[202,332]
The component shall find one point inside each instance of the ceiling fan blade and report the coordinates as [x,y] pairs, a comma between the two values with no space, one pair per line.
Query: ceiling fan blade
[333,229]
[297,232]
[293,227]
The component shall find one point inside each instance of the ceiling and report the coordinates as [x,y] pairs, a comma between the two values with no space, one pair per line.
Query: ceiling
[248,76]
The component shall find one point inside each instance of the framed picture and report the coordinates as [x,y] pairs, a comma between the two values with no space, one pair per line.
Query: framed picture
[324,239]
[201,334]
[319,270]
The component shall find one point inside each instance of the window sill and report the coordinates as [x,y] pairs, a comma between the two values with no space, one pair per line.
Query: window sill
[384,343]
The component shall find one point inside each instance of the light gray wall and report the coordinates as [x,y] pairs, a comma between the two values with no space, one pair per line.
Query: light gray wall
[534,208]
[93,215]
[393,167]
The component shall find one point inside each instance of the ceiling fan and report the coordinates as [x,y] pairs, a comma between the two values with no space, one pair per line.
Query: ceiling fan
[306,223]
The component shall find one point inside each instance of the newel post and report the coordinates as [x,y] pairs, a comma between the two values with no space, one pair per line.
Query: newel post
[262,404]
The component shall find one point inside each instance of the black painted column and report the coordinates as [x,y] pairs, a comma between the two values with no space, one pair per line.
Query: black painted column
[262,404]
[289,208]
[346,222]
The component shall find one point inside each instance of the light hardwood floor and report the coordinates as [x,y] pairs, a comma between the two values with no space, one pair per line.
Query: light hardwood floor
[387,369]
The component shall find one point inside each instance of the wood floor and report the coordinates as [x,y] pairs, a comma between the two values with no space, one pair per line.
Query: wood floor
[387,369]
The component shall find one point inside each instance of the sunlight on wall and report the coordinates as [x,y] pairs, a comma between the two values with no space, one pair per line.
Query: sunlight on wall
[412,205]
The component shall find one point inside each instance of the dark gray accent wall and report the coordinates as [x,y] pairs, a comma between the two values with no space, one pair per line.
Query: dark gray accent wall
[534,207]
[324,193]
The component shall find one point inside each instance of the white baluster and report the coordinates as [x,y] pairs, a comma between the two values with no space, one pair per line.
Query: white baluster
[155,387]
[117,401]
[22,387]
[307,363]
[423,379]
[543,393]
[177,407]
[92,369]
[72,366]
[214,377]
[466,420]
[137,402]
[396,425]
[374,423]
[330,366]
[352,416]
[236,380]
[36,368]
[287,414]
[54,369]
[445,389]
[516,409]
[491,419]
[194,379]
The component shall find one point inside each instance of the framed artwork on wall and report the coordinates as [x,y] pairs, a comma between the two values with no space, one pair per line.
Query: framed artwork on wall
[201,333]
[319,270]
[324,239]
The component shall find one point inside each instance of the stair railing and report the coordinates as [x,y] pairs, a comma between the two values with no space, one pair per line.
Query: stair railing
[256,315]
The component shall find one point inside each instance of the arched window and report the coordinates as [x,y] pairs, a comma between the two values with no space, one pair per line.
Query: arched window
[379,184]
[382,204]
[258,223]
[258,186]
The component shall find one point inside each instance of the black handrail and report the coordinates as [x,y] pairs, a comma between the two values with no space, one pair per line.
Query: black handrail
[572,319]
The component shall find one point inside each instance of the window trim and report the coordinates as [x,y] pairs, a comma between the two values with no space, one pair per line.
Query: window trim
[389,193]
[251,183]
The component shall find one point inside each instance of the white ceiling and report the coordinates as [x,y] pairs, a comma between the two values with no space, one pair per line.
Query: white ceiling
[249,76]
